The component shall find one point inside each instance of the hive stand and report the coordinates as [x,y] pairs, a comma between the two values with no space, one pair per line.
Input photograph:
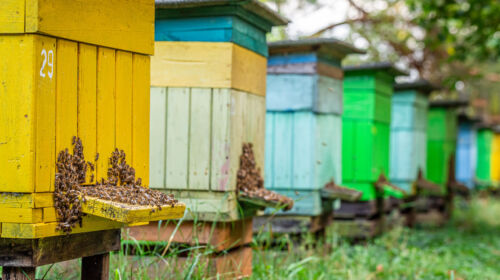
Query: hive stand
[20,257]
[208,99]
[303,132]
[368,91]
[408,150]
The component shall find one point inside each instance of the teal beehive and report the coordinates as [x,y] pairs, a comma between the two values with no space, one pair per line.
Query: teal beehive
[409,132]
[304,120]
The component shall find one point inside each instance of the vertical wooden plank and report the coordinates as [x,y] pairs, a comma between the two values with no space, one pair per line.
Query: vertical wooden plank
[304,160]
[238,133]
[158,138]
[177,138]
[66,94]
[283,149]
[87,101]
[337,148]
[199,138]
[17,113]
[327,144]
[45,96]
[221,149]
[140,116]
[269,151]
[95,267]
[12,16]
[124,103]
[255,124]
[105,108]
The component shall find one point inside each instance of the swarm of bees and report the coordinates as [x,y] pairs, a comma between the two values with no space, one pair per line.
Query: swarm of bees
[250,183]
[120,186]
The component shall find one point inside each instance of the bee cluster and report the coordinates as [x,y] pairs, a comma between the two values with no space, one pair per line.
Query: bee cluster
[250,182]
[120,186]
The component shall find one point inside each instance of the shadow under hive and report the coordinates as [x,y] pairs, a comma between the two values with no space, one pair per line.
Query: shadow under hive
[303,131]
[202,112]
[368,91]
[67,71]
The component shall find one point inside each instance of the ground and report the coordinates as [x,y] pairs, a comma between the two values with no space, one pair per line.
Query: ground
[467,248]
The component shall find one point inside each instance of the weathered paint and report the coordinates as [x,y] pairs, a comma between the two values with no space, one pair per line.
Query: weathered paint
[197,136]
[126,25]
[208,65]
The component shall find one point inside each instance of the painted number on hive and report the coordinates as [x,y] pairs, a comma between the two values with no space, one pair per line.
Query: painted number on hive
[47,64]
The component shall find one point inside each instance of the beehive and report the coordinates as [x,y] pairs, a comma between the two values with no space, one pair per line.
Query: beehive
[207,99]
[304,120]
[484,171]
[441,139]
[495,158]
[69,68]
[408,146]
[368,91]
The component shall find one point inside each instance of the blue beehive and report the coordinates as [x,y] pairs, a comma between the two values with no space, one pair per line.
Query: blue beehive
[466,159]
[304,120]
[409,132]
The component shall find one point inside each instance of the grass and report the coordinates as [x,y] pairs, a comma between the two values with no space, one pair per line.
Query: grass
[467,248]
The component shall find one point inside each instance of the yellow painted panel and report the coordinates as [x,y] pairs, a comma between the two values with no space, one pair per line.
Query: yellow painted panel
[124,102]
[17,113]
[140,117]
[126,25]
[66,94]
[21,215]
[11,16]
[495,158]
[40,230]
[249,71]
[87,100]
[128,214]
[49,214]
[105,108]
[26,200]
[208,65]
[45,96]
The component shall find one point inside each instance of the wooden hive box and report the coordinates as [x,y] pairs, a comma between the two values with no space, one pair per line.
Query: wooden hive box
[69,68]
[208,85]
[495,157]
[368,91]
[304,120]
[408,148]
[467,147]
[441,139]
[484,172]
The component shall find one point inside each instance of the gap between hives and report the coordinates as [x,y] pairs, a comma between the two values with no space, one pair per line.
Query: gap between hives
[250,183]
[120,185]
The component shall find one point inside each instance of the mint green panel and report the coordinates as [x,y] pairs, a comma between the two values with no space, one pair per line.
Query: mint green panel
[283,148]
[303,155]
[328,149]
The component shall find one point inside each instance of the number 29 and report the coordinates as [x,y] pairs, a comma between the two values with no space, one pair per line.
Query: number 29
[48,62]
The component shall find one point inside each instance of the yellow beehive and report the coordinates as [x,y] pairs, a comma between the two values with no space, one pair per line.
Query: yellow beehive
[69,68]
[495,158]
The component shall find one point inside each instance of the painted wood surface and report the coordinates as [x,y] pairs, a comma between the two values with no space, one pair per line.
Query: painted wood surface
[303,150]
[26,200]
[370,81]
[408,143]
[126,25]
[197,136]
[213,29]
[319,68]
[41,110]
[298,58]
[296,92]
[305,203]
[467,154]
[366,105]
[495,158]
[208,65]
[442,124]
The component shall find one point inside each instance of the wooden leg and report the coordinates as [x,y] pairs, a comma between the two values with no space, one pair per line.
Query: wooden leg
[18,273]
[95,267]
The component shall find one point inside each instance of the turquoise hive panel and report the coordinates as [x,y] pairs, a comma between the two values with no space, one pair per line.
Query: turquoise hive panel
[306,203]
[466,158]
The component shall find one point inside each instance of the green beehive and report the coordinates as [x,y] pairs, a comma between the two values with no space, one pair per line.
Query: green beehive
[368,91]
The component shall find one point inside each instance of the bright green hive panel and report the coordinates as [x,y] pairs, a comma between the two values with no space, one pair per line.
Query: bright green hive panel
[484,146]
[378,81]
[364,104]
[438,160]
[442,124]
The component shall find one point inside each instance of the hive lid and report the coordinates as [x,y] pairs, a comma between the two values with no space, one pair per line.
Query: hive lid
[254,6]
[421,85]
[326,45]
[131,214]
[377,66]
